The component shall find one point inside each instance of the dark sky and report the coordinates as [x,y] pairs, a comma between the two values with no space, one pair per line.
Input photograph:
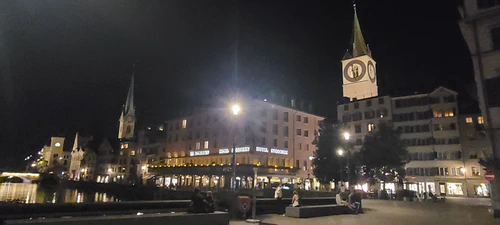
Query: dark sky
[65,65]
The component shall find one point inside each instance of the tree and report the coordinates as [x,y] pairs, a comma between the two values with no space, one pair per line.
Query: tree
[384,155]
[326,162]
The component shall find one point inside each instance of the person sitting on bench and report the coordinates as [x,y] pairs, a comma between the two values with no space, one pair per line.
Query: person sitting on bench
[354,201]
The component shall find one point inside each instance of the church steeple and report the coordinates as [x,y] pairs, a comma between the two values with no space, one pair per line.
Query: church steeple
[127,117]
[358,46]
[358,67]
[129,103]
[75,144]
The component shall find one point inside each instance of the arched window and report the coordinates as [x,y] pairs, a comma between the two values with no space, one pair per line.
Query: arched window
[176,155]
[183,154]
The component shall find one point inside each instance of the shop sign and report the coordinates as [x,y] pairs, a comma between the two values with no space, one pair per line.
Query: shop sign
[279,151]
[238,150]
[198,153]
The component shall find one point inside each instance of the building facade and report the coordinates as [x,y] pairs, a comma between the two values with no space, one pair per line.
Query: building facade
[480,26]
[475,146]
[429,125]
[265,134]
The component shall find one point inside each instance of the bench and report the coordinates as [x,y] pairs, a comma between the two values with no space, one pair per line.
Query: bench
[216,218]
[316,210]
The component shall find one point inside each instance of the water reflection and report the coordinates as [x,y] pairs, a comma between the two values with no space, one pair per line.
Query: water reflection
[34,193]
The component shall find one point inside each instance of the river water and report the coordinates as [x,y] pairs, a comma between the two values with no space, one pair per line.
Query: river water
[34,193]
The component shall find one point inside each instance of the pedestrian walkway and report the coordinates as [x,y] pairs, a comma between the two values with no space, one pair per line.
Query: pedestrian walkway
[383,212]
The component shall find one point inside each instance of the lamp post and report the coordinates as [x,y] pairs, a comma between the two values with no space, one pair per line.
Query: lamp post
[340,152]
[346,138]
[236,110]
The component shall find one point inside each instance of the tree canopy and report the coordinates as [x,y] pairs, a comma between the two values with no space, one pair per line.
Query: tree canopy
[327,165]
[384,155]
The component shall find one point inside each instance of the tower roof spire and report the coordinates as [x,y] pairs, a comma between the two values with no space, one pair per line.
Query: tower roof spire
[129,104]
[359,47]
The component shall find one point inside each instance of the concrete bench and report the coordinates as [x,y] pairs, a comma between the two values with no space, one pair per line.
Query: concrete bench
[216,218]
[316,210]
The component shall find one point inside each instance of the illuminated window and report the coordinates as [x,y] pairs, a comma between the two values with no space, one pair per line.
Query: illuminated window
[205,145]
[125,145]
[160,128]
[132,152]
[438,114]
[448,114]
[198,146]
[371,126]
[121,152]
[480,120]
[468,120]
[184,123]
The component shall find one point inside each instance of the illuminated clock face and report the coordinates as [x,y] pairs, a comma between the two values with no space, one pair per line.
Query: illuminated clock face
[354,71]
[371,71]
[57,144]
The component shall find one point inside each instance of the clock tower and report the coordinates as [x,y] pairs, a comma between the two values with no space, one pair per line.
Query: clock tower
[358,67]
[127,118]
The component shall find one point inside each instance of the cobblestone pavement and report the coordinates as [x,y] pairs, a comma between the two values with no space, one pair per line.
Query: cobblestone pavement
[380,212]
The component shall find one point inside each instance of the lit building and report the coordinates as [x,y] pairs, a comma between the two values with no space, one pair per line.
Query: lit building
[475,146]
[480,26]
[130,155]
[279,140]
[54,151]
[76,169]
[107,163]
[428,124]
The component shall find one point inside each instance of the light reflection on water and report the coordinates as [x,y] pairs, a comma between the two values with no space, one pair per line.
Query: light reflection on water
[33,193]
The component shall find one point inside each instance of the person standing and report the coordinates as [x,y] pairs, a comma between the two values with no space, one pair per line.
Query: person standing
[278,194]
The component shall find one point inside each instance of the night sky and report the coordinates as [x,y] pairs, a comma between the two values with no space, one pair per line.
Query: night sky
[65,66]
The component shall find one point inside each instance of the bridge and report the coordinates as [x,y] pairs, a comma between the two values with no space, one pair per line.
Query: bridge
[25,177]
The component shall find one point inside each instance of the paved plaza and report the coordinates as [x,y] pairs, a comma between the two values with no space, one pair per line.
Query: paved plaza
[380,212]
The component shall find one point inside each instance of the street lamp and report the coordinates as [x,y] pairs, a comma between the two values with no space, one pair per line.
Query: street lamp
[236,111]
[346,136]
[340,152]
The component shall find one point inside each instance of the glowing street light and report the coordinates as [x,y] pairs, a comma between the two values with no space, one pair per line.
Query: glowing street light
[236,109]
[346,136]
[340,152]
[463,170]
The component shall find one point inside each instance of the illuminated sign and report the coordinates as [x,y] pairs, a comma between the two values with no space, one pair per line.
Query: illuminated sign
[261,149]
[197,153]
[279,151]
[238,150]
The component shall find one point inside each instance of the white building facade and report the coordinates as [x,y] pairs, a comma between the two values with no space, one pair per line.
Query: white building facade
[265,134]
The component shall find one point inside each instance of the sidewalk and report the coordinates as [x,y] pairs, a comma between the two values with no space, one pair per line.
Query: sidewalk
[382,212]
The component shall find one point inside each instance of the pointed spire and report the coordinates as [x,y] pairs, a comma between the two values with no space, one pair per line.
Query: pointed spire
[129,104]
[358,42]
[75,144]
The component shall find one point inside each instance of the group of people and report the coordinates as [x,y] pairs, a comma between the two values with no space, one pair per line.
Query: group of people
[353,201]
[200,203]
[278,194]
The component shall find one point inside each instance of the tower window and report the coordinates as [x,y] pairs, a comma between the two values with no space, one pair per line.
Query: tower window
[132,153]
[468,120]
